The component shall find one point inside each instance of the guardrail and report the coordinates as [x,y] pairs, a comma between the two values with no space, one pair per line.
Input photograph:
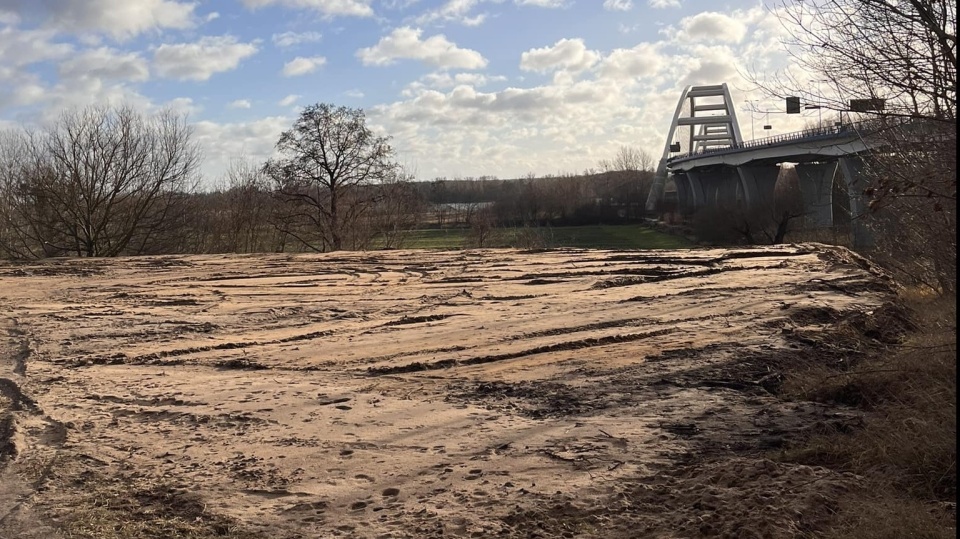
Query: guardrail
[807,134]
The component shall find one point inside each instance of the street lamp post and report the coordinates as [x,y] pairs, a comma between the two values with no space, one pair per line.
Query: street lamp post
[819,102]
[819,107]
[752,106]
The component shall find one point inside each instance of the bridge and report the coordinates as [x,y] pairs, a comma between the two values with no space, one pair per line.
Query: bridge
[712,166]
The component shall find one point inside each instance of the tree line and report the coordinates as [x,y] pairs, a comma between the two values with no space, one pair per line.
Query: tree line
[109,181]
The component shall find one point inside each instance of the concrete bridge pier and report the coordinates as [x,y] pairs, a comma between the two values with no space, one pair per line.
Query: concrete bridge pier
[816,187]
[759,183]
[684,196]
[694,195]
[716,187]
[727,190]
[855,179]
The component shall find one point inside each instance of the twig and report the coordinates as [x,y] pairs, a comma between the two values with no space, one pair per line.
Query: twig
[553,455]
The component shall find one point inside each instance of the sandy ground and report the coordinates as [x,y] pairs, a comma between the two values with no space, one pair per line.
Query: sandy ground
[488,393]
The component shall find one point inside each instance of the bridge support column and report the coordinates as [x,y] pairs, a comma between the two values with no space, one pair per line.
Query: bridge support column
[684,196]
[717,186]
[816,187]
[697,198]
[728,189]
[759,183]
[855,179]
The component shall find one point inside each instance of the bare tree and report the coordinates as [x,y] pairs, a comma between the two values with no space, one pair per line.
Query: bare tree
[482,221]
[327,159]
[247,201]
[628,158]
[101,181]
[24,214]
[897,57]
[631,171]
[399,209]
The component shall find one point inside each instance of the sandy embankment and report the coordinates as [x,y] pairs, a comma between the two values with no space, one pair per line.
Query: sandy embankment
[418,394]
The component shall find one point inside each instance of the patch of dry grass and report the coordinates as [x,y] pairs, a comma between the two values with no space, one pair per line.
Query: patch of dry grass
[893,517]
[906,447]
[122,509]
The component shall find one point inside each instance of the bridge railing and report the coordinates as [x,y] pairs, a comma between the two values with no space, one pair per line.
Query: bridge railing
[807,134]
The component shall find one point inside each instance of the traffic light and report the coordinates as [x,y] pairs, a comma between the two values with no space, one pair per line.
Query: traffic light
[793,105]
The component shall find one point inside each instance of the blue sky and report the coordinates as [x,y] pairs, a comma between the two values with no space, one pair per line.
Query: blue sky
[464,88]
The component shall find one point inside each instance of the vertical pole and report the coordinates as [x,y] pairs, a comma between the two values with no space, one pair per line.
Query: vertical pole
[819,106]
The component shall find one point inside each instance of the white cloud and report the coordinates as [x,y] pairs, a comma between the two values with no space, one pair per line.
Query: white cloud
[510,132]
[49,101]
[542,3]
[328,8]
[212,16]
[454,11]
[617,5]
[567,54]
[643,60]
[200,60]
[224,143]
[119,19]
[289,39]
[19,51]
[711,26]
[446,80]
[448,117]
[405,43]
[24,47]
[302,66]
[182,105]
[289,100]
[709,65]
[105,63]
[26,91]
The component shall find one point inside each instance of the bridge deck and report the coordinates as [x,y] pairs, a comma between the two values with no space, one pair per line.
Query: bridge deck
[841,138]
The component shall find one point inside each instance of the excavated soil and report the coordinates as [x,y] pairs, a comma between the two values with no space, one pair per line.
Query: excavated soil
[487,393]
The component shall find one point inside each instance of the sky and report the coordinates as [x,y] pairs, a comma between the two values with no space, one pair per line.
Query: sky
[463,88]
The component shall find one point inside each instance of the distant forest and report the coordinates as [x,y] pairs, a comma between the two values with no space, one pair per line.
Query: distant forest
[108,181]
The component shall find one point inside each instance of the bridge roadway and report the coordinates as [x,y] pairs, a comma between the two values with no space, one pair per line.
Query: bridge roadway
[814,144]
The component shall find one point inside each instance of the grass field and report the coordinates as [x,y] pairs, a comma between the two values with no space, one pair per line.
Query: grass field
[595,237]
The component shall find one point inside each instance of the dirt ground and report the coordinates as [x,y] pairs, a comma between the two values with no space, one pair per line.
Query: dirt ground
[487,393]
